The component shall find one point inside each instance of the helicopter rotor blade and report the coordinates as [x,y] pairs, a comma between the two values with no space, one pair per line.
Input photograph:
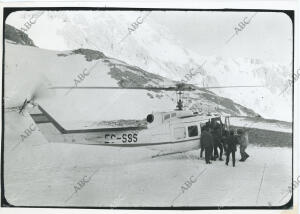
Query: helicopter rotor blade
[171,88]
[178,87]
[234,86]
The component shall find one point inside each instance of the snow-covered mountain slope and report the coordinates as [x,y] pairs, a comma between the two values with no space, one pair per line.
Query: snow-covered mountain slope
[17,36]
[38,69]
[153,48]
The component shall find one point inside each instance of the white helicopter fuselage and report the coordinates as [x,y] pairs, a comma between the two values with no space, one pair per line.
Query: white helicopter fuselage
[170,132]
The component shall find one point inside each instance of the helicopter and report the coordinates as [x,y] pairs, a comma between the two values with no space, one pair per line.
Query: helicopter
[170,132]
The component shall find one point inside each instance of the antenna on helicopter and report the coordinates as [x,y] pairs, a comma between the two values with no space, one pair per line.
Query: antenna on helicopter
[179,105]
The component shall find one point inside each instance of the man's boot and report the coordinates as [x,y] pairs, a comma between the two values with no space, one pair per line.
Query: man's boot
[243,157]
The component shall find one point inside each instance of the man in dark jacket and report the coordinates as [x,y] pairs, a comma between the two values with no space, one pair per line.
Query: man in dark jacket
[207,142]
[224,141]
[217,142]
[201,144]
[231,142]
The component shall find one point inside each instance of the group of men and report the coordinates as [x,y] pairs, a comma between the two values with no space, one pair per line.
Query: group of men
[214,137]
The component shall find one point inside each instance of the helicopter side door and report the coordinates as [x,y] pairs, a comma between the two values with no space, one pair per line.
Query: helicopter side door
[227,123]
[179,132]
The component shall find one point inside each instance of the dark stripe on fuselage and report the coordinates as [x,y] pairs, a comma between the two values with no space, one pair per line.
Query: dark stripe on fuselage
[102,129]
[139,144]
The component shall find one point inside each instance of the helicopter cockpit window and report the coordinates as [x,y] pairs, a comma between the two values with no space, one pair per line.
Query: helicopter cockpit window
[179,133]
[167,116]
[193,131]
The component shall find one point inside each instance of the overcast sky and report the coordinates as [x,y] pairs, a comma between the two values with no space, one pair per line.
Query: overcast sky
[267,36]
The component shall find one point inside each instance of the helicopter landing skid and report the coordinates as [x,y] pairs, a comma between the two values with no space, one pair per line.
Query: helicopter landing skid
[165,154]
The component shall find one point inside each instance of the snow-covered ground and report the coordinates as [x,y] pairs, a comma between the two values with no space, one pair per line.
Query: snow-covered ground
[44,174]
[258,123]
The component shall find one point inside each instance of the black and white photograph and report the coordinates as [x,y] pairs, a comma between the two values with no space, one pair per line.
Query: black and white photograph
[148,108]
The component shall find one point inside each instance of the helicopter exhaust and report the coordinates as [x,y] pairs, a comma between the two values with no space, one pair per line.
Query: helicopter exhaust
[150,118]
